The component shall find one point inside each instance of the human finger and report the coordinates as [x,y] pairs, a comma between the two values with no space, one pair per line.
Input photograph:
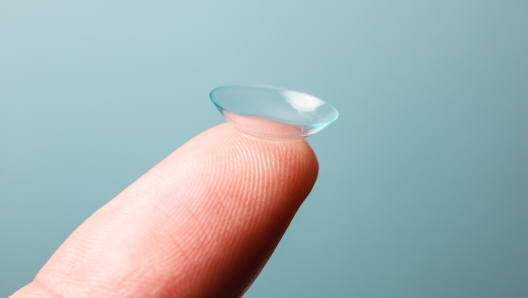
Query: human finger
[201,223]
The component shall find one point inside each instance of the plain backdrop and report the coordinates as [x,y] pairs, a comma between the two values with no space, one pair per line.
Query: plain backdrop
[423,183]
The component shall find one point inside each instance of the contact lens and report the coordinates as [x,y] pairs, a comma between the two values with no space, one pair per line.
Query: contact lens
[272,112]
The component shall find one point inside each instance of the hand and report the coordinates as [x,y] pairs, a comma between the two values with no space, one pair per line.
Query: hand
[201,223]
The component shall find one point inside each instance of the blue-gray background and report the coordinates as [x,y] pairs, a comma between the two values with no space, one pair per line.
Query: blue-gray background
[423,183]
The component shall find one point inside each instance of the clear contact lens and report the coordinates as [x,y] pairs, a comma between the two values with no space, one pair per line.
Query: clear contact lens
[272,112]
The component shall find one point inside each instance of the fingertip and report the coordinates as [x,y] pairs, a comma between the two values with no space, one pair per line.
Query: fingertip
[201,223]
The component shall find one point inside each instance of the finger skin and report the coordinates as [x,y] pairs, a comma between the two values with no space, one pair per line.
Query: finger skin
[201,223]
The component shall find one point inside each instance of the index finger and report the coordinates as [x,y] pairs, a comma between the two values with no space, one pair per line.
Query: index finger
[201,223]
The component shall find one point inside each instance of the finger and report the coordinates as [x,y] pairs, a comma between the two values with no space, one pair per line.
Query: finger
[202,223]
